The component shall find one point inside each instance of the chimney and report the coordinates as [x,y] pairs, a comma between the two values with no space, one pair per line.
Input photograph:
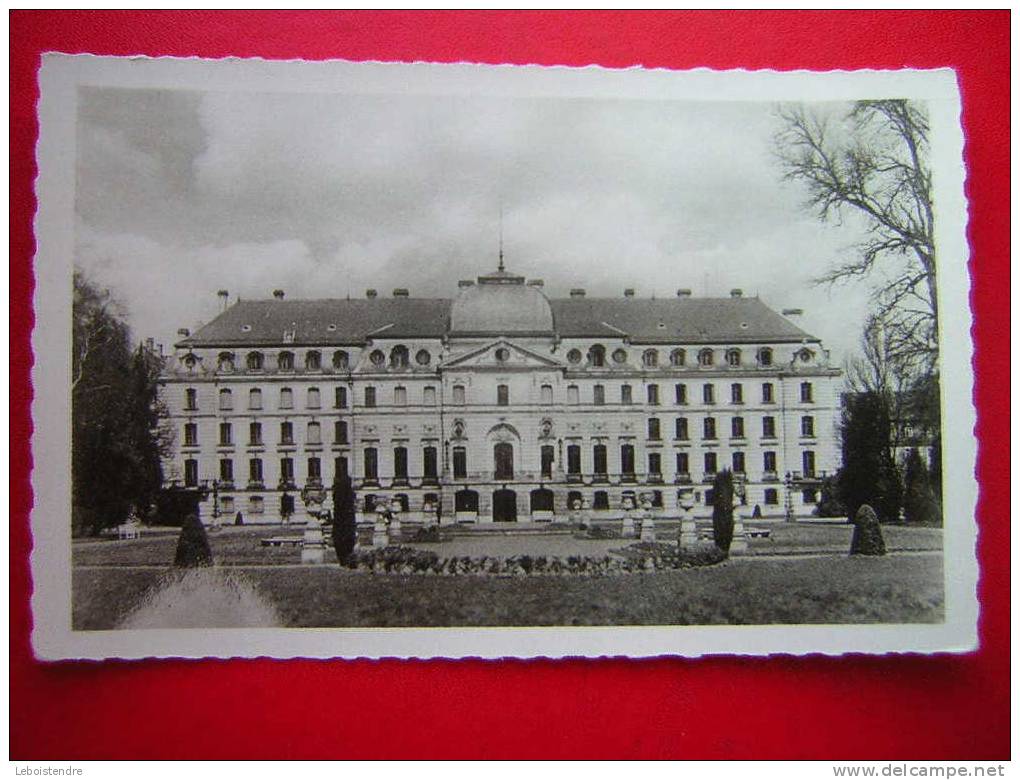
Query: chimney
[536,283]
[628,293]
[183,332]
[465,283]
[223,295]
[371,293]
[401,292]
[683,292]
[792,312]
[278,294]
[577,292]
[736,292]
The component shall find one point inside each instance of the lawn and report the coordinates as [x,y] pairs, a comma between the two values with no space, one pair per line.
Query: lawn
[834,589]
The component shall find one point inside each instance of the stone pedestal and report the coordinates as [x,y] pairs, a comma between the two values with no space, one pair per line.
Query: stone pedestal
[647,529]
[394,530]
[628,526]
[688,531]
[739,544]
[380,533]
[313,546]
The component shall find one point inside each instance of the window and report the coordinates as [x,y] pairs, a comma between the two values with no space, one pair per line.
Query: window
[254,361]
[502,395]
[313,400]
[619,356]
[573,396]
[314,470]
[256,505]
[369,396]
[769,462]
[574,356]
[650,358]
[255,398]
[737,427]
[653,395]
[286,433]
[227,505]
[768,427]
[314,433]
[340,432]
[600,460]
[806,393]
[503,460]
[400,463]
[255,471]
[226,400]
[711,463]
[428,396]
[430,462]
[654,464]
[190,435]
[599,395]
[597,356]
[422,357]
[341,360]
[286,398]
[226,434]
[677,358]
[683,463]
[340,466]
[313,360]
[546,394]
[285,361]
[600,500]
[737,393]
[807,459]
[225,362]
[191,472]
[653,428]
[573,458]
[400,396]
[399,357]
[286,471]
[709,427]
[765,356]
[708,394]
[627,459]
[459,463]
[377,358]
[768,395]
[809,496]
[255,434]
[771,496]
[807,426]
[626,394]
[681,394]
[191,399]
[340,398]
[733,357]
[705,357]
[548,458]
[739,465]
[371,463]
[458,395]
[682,431]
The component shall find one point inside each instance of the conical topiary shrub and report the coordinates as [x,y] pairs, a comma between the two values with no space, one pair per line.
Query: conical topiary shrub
[193,545]
[867,539]
[722,510]
[344,529]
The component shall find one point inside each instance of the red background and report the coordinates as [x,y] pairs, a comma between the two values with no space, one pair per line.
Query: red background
[855,707]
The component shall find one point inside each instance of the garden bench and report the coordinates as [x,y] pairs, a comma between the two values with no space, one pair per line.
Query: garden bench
[281,541]
[128,531]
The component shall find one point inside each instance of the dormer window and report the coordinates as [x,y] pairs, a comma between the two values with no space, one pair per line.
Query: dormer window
[765,356]
[574,356]
[677,358]
[705,357]
[620,356]
[190,361]
[341,360]
[225,362]
[399,357]
[423,357]
[313,361]
[254,361]
[597,356]
[650,358]
[733,357]
[285,361]
[377,358]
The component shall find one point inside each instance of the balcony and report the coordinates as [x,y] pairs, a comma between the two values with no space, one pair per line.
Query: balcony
[575,478]
[256,484]
[683,478]
[629,478]
[287,483]
[770,476]
[600,477]
[654,477]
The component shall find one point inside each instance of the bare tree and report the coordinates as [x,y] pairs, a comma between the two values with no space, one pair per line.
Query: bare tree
[872,161]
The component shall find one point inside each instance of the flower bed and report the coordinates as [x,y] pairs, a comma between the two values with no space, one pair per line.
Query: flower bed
[636,558]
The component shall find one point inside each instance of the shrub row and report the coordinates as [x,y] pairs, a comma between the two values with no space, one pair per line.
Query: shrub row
[406,560]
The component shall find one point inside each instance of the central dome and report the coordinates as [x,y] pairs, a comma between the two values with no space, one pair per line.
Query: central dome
[500,304]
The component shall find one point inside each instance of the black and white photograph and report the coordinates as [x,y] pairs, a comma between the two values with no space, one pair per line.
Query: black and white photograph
[507,361]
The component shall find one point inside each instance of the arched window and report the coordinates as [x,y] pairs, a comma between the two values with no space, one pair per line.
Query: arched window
[377,358]
[225,362]
[285,361]
[341,360]
[423,357]
[541,500]
[765,356]
[619,355]
[226,400]
[254,361]
[650,358]
[314,400]
[733,357]
[314,435]
[399,357]
[503,455]
[465,501]
[677,358]
[313,360]
[286,398]
[254,398]
[705,357]
[574,356]
[597,356]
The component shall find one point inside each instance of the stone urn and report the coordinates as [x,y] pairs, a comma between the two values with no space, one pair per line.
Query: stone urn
[739,544]
[380,529]
[313,544]
[647,521]
[629,506]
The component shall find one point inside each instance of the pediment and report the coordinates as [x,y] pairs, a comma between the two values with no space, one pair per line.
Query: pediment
[500,355]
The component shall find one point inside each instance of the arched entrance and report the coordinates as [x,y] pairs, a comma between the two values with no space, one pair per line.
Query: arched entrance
[504,506]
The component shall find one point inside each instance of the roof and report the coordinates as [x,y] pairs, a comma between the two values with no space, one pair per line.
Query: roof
[641,320]
[501,304]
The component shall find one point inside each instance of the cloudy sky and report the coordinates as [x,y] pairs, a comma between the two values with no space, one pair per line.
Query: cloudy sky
[182,193]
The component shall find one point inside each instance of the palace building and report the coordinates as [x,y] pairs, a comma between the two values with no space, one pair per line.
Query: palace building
[501,404]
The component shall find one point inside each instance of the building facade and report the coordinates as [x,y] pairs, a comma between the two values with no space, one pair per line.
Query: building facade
[501,404]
